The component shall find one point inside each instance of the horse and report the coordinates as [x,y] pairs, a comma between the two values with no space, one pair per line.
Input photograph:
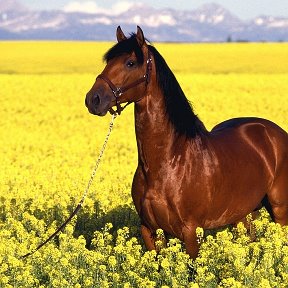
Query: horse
[187,176]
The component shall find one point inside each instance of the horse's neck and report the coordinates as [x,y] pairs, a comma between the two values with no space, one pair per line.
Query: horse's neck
[154,132]
[157,140]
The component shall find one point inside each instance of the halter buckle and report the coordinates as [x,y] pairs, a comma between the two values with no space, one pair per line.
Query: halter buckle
[118,92]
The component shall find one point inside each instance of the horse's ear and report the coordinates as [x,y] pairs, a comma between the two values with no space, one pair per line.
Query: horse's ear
[140,36]
[120,35]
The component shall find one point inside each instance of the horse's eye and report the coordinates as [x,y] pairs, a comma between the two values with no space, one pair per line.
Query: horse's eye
[130,63]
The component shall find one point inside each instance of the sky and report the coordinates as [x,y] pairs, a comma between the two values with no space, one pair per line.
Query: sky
[244,9]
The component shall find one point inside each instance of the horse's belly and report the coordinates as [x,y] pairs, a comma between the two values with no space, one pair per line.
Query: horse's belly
[234,207]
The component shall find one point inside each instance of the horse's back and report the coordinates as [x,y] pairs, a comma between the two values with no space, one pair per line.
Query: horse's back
[257,131]
[255,128]
[237,122]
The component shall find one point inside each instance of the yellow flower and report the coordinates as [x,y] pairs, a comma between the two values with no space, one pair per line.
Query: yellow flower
[112,261]
[64,261]
[50,146]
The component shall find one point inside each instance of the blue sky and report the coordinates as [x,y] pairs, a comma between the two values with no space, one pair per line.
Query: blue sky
[244,9]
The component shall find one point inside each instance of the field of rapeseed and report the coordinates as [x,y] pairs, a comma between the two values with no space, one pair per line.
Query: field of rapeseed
[49,144]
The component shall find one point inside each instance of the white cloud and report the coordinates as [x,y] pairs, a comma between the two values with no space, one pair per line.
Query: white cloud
[92,7]
[122,6]
[85,7]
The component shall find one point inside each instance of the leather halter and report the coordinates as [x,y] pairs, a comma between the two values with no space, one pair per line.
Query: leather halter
[118,91]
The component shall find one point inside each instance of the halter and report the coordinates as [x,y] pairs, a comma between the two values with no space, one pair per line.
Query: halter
[118,91]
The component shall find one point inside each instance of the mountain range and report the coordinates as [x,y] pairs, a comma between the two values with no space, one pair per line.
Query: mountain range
[208,23]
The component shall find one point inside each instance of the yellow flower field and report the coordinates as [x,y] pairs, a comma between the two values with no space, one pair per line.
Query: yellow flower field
[49,144]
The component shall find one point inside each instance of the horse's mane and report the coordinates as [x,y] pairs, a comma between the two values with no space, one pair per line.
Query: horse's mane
[178,108]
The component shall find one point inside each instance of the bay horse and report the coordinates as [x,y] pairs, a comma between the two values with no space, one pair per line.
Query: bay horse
[188,177]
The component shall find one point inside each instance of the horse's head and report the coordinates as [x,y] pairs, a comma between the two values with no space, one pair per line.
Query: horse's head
[125,77]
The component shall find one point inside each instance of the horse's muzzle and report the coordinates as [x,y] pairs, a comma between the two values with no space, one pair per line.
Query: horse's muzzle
[96,104]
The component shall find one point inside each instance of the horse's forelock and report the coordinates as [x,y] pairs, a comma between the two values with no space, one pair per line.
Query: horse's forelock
[126,46]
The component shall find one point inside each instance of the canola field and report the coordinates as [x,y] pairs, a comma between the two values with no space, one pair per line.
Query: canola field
[49,144]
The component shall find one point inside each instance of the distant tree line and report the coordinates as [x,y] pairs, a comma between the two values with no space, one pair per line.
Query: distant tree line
[229,39]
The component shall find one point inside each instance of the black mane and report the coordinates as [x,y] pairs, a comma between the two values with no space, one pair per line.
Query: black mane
[178,108]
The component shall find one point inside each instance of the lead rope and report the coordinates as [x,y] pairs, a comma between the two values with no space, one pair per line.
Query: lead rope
[85,192]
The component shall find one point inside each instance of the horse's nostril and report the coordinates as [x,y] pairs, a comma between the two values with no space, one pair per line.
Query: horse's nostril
[95,100]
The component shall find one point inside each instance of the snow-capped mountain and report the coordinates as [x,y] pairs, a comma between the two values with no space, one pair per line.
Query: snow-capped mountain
[11,5]
[208,23]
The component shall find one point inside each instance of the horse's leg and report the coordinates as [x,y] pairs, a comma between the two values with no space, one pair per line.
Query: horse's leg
[190,241]
[278,197]
[148,237]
